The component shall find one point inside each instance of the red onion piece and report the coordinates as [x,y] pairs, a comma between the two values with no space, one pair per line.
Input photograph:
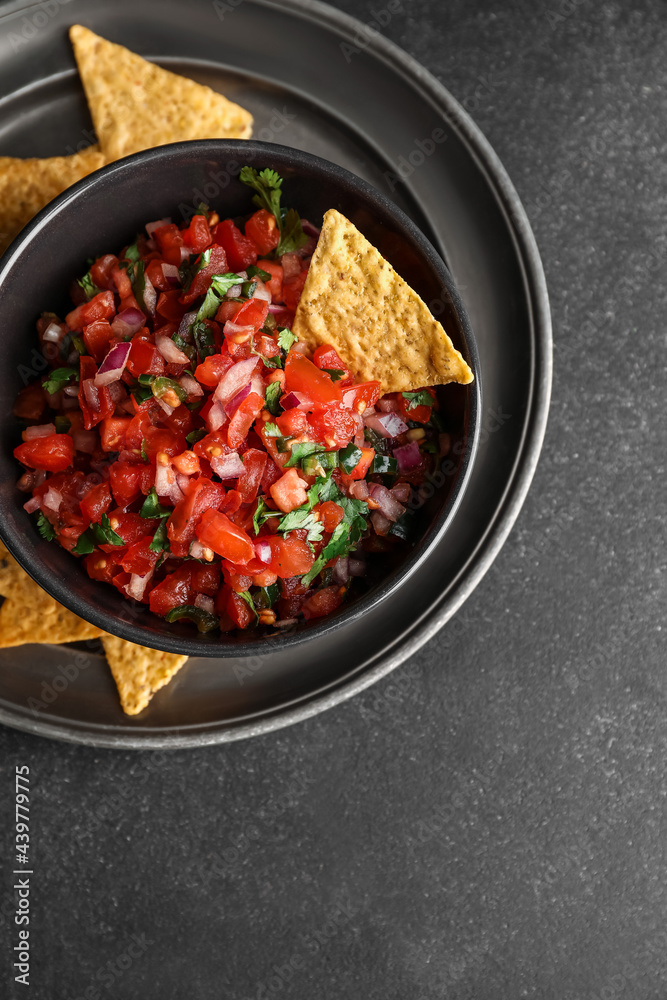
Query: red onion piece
[185,253]
[152,226]
[118,393]
[261,292]
[402,492]
[262,550]
[295,400]
[52,499]
[385,405]
[169,351]
[232,406]
[170,274]
[408,456]
[387,424]
[71,403]
[216,417]
[388,504]
[85,441]
[166,407]
[240,332]
[91,395]
[32,505]
[71,390]
[276,308]
[54,333]
[113,365]
[183,481]
[38,430]
[359,490]
[357,567]
[165,482]
[341,570]
[380,523]
[191,386]
[185,324]
[227,466]
[309,229]
[291,263]
[205,603]
[128,322]
[199,551]
[136,588]
[234,379]
[150,295]
[359,438]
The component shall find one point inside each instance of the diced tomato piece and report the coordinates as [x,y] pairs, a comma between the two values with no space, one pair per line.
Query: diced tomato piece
[197,236]
[262,229]
[162,439]
[170,306]
[331,514]
[265,578]
[180,421]
[101,306]
[239,611]
[243,419]
[289,492]
[267,346]
[227,310]
[136,431]
[100,272]
[102,566]
[170,241]
[254,463]
[275,282]
[216,531]
[301,375]
[144,358]
[30,402]
[130,526]
[272,474]
[155,275]
[174,591]
[323,602]
[217,264]
[326,357]
[241,251]
[103,407]
[140,558]
[250,318]
[53,452]
[212,368]
[420,414]
[113,432]
[129,481]
[211,446]
[292,290]
[293,423]
[96,502]
[97,337]
[362,396]
[334,426]
[292,557]
[203,495]
[206,579]
[187,463]
[121,280]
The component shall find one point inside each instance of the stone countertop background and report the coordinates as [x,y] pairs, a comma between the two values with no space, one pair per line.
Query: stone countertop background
[489,820]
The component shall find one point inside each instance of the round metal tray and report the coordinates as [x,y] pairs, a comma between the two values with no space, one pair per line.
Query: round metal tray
[358,100]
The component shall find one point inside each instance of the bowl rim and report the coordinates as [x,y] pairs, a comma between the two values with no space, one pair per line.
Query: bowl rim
[24,552]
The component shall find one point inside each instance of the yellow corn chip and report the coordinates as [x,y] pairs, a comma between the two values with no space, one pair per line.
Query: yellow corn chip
[21,624]
[26,186]
[354,299]
[22,589]
[136,104]
[139,671]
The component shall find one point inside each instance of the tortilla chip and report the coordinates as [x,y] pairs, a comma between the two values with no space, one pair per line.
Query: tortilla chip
[354,299]
[136,104]
[26,186]
[139,671]
[16,585]
[21,624]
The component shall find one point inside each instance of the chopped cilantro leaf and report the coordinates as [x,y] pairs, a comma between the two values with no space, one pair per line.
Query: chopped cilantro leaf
[160,541]
[302,519]
[197,435]
[152,507]
[337,545]
[58,378]
[262,514]
[415,399]
[292,234]
[266,597]
[85,543]
[272,430]
[245,594]
[299,450]
[286,338]
[189,268]
[268,184]
[256,272]
[335,373]
[104,533]
[271,397]
[88,285]
[45,528]
[132,252]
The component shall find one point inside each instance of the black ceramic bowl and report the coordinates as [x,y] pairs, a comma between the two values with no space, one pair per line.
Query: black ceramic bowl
[102,213]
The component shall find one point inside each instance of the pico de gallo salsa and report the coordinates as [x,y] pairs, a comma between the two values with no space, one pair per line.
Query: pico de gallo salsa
[183,445]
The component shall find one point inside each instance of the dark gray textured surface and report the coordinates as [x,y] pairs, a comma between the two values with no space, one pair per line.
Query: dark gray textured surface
[489,821]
